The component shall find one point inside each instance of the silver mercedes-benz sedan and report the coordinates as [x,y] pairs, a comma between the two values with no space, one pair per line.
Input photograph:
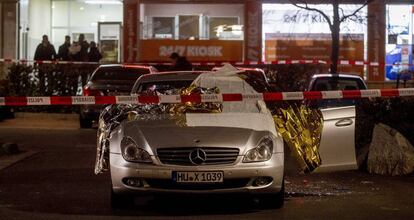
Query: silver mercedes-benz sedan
[235,151]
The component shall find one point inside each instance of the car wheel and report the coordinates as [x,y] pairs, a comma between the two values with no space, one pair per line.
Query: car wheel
[274,200]
[119,201]
[85,122]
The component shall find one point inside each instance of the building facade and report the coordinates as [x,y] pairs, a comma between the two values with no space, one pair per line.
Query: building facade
[213,30]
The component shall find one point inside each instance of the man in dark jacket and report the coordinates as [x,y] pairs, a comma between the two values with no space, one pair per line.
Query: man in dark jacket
[94,54]
[180,63]
[82,55]
[45,50]
[63,53]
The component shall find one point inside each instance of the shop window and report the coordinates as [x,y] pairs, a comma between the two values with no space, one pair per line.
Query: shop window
[189,27]
[163,27]
[293,33]
[75,17]
[60,13]
[88,36]
[399,49]
[88,13]
[59,36]
[225,28]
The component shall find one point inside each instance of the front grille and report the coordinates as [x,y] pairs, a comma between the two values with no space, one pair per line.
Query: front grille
[181,156]
[169,184]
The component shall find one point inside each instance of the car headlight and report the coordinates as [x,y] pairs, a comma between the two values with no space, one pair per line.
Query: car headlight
[261,153]
[132,153]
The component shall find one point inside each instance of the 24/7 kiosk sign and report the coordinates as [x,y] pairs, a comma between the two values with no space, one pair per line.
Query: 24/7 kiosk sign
[194,50]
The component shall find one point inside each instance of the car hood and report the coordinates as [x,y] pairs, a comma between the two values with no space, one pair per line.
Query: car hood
[201,130]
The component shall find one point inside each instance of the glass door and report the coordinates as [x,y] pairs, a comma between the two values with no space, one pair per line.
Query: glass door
[109,41]
[189,27]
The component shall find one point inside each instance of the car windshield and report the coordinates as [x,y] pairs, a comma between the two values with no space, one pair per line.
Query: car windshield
[118,73]
[163,87]
[330,84]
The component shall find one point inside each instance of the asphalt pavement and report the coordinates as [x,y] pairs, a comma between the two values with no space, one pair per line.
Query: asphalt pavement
[56,181]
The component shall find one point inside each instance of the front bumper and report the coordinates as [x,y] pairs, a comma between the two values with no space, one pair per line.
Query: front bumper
[157,178]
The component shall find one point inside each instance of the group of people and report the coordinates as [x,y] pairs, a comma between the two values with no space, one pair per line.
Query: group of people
[88,52]
[76,51]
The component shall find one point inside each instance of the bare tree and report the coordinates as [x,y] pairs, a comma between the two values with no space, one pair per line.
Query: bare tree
[334,23]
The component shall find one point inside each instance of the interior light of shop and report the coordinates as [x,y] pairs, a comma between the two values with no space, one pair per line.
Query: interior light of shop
[236,27]
[103,2]
[81,8]
[219,30]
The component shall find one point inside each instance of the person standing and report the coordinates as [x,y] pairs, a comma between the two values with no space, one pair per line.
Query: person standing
[94,55]
[180,63]
[63,53]
[45,50]
[82,51]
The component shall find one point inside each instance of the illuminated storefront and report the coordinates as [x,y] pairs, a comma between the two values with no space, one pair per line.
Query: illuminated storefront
[151,32]
[292,33]
[399,39]
[203,30]
[58,18]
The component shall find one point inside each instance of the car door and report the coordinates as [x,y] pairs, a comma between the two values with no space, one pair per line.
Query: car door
[337,147]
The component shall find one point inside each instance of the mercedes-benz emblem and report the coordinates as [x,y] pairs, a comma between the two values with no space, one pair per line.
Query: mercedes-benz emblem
[198,156]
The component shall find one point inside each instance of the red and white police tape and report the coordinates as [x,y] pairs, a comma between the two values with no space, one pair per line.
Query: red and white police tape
[207,63]
[197,98]
[220,63]
[3,60]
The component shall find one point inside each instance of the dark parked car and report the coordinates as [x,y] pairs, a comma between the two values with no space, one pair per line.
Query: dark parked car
[111,80]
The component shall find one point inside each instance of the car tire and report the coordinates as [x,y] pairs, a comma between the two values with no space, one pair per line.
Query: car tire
[85,122]
[273,200]
[120,201]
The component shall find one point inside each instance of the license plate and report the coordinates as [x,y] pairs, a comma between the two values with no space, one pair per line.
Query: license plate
[198,177]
